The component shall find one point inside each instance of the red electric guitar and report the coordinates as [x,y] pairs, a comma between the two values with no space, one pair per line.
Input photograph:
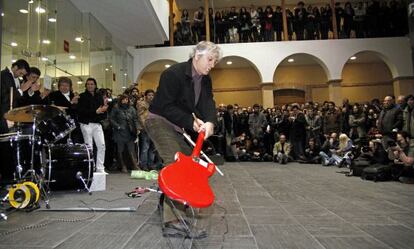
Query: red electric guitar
[186,180]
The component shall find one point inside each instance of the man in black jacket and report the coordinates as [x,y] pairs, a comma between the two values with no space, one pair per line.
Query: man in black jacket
[10,80]
[184,89]
[91,108]
[390,121]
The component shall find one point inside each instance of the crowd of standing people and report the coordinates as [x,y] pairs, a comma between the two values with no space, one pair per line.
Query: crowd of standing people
[364,19]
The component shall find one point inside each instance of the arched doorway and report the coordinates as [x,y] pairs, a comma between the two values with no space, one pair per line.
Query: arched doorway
[236,81]
[301,74]
[366,76]
[149,77]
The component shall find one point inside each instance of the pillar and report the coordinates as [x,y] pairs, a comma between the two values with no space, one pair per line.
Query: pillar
[285,24]
[171,17]
[335,91]
[267,94]
[207,20]
[403,86]
[334,24]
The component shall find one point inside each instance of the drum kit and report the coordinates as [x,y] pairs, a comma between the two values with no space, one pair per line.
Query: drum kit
[36,161]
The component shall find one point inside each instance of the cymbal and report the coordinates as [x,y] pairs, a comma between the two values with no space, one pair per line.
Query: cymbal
[28,113]
[62,108]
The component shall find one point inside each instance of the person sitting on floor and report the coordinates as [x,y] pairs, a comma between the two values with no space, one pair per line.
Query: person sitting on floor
[403,164]
[311,152]
[330,145]
[281,151]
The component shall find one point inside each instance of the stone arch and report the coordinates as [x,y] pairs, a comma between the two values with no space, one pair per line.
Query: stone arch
[150,75]
[390,64]
[367,75]
[309,56]
[238,82]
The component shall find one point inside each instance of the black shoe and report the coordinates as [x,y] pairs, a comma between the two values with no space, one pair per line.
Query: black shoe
[178,229]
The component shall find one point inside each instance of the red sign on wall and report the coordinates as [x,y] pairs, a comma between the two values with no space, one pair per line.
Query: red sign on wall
[66,46]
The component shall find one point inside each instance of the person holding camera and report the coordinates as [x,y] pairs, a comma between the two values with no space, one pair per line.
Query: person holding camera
[403,167]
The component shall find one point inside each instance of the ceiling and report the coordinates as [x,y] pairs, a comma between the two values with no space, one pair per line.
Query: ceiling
[130,22]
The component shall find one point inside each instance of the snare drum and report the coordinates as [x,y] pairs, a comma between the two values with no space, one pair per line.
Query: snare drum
[63,163]
[53,129]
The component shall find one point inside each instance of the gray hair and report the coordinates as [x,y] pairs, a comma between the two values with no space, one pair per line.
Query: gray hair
[207,47]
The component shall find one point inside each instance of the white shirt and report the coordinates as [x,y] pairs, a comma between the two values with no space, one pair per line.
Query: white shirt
[67,95]
[16,82]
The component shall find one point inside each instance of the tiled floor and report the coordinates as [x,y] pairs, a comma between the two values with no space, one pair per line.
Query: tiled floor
[258,205]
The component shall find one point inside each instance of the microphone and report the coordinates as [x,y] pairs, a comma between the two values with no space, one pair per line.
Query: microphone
[79,177]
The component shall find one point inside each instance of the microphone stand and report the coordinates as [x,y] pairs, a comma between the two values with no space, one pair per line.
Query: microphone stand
[79,176]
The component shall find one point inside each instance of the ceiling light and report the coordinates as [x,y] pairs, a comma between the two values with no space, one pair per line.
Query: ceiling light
[23,11]
[291,60]
[2,14]
[31,1]
[45,59]
[13,61]
[13,44]
[52,19]
[229,62]
[106,69]
[353,58]
[79,39]
[40,10]
[110,66]
[46,41]
[72,57]
[125,74]
[123,87]
[167,65]
[79,82]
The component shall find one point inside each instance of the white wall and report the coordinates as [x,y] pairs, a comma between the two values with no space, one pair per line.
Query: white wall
[266,56]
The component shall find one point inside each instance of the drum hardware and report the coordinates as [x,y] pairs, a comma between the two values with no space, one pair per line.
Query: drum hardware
[79,176]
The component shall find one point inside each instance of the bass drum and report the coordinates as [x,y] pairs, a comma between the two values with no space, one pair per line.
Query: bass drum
[64,163]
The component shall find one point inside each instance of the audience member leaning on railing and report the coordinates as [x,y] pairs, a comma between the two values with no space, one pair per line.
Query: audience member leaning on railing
[304,22]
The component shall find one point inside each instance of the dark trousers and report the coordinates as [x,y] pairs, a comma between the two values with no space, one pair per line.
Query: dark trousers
[167,141]
[130,150]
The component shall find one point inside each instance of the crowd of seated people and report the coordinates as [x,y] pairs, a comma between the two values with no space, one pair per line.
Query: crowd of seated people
[364,19]
[324,134]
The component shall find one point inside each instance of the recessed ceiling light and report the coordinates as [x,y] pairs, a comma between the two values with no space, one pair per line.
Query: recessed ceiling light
[79,82]
[40,10]
[72,57]
[52,19]
[13,44]
[106,69]
[23,11]
[167,65]
[31,1]
[45,59]
[123,87]
[125,74]
[291,60]
[110,66]
[13,61]
[353,58]
[2,14]
[79,39]
[229,62]
[46,41]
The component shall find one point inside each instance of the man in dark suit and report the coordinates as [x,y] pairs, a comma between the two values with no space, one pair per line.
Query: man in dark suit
[10,85]
[33,96]
[184,89]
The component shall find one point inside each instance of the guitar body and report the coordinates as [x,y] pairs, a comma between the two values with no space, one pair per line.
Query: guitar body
[186,180]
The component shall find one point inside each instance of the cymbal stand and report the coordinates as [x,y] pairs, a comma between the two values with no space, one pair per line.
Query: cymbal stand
[36,178]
